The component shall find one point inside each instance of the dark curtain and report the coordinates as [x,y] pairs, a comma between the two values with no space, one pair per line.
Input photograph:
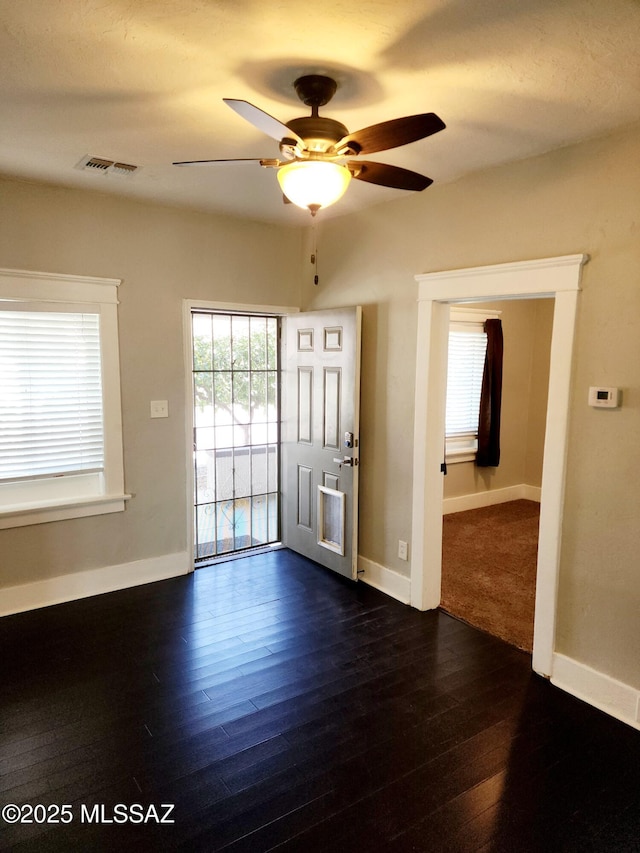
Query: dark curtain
[491,398]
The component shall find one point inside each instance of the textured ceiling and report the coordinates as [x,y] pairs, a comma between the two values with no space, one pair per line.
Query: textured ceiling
[142,82]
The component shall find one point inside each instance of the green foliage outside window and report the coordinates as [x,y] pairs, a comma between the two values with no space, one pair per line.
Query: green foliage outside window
[235,365]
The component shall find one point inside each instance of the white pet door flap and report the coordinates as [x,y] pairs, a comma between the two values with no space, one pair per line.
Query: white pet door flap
[331,517]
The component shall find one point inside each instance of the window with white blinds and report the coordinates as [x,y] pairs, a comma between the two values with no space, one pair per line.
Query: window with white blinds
[467,349]
[50,394]
[60,411]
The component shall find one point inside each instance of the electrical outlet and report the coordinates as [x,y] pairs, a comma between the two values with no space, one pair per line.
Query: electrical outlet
[402,550]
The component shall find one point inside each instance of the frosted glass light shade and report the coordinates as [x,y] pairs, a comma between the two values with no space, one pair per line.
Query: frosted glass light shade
[314,184]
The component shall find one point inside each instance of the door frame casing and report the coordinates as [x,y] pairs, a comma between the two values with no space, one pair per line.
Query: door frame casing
[557,278]
[188,306]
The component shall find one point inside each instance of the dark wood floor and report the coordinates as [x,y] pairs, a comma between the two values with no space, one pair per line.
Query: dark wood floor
[280,707]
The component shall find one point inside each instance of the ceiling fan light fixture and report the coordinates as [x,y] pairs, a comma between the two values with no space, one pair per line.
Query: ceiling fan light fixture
[313,184]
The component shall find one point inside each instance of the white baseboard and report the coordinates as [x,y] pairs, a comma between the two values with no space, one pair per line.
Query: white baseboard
[386,580]
[30,596]
[614,697]
[491,497]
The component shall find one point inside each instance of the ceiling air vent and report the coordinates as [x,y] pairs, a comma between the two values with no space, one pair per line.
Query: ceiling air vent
[106,167]
[125,169]
[96,164]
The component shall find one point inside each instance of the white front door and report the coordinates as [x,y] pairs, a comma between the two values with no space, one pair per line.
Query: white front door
[320,436]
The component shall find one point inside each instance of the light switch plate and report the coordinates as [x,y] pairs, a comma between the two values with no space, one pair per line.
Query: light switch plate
[159,408]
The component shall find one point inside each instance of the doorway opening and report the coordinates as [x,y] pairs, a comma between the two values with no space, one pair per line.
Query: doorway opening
[236,416]
[491,514]
[557,278]
[252,414]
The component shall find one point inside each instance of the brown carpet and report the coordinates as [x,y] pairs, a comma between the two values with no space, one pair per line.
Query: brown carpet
[489,569]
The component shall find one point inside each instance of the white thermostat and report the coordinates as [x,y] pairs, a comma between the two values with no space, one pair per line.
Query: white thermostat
[604,398]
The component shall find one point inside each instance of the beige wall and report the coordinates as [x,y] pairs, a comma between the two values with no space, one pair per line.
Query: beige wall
[526,328]
[580,199]
[163,255]
[538,391]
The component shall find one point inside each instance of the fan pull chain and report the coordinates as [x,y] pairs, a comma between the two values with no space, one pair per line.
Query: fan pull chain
[314,254]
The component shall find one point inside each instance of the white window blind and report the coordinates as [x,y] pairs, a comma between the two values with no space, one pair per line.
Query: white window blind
[467,348]
[50,394]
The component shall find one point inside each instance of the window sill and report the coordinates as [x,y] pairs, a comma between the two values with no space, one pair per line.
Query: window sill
[461,456]
[21,515]
[461,448]
[465,457]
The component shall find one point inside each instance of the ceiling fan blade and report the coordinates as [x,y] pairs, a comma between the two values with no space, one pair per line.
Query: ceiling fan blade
[263,121]
[392,134]
[261,160]
[389,176]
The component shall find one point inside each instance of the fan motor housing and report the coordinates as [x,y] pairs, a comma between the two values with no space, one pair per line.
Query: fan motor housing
[319,133]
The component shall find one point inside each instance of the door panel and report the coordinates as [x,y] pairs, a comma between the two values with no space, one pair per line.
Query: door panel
[320,444]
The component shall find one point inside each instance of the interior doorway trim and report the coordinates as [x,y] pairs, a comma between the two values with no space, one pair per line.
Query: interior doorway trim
[557,278]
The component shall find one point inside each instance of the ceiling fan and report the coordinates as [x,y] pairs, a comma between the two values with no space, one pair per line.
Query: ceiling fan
[317,167]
